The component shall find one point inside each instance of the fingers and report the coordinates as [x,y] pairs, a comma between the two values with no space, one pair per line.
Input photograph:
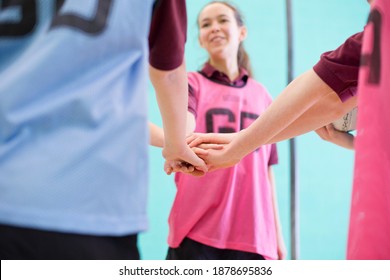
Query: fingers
[212,139]
[320,130]
[334,132]
[191,138]
[189,156]
[197,173]
[197,141]
[184,167]
[168,170]
[323,133]
[208,146]
[199,164]
[178,166]
[188,159]
[168,167]
[199,152]
[183,159]
[330,128]
[199,138]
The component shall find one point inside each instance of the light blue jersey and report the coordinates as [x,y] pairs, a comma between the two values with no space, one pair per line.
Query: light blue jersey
[73,115]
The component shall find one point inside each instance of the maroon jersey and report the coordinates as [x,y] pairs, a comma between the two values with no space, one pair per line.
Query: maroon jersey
[167,34]
[340,68]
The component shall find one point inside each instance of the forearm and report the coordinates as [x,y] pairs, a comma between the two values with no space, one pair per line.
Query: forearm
[325,111]
[298,97]
[171,92]
[156,135]
[274,200]
[347,142]
[172,97]
[191,123]
[340,138]
[278,226]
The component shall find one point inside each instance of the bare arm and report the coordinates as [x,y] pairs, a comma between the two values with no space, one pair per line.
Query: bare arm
[342,139]
[307,103]
[301,107]
[280,241]
[157,133]
[322,113]
[171,92]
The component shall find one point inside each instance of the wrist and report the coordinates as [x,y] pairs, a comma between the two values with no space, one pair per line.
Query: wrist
[239,145]
[235,151]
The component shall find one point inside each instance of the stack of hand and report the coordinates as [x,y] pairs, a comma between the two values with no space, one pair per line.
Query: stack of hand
[212,148]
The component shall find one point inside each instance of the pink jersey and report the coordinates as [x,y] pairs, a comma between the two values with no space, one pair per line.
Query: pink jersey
[369,230]
[230,208]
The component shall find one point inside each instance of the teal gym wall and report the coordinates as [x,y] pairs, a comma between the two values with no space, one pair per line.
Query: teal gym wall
[324,170]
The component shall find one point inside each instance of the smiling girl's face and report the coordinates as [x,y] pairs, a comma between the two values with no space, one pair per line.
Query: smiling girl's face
[219,32]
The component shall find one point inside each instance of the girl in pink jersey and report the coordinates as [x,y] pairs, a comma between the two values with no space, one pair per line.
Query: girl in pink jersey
[230,213]
[322,95]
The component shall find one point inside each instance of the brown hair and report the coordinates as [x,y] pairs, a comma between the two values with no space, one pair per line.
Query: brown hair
[242,56]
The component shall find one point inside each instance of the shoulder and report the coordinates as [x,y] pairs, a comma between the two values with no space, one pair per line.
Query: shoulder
[259,87]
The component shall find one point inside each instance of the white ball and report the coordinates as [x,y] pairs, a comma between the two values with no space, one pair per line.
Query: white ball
[347,122]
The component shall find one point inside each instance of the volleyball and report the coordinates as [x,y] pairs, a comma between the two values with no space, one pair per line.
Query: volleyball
[347,122]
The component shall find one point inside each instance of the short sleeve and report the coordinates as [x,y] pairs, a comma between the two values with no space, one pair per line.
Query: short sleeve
[273,158]
[193,93]
[167,34]
[339,69]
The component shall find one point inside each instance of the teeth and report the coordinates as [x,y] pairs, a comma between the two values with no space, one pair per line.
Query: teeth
[216,38]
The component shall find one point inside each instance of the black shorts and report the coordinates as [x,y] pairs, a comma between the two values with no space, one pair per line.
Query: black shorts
[193,250]
[18,243]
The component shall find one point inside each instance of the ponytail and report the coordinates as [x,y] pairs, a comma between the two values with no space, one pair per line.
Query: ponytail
[243,60]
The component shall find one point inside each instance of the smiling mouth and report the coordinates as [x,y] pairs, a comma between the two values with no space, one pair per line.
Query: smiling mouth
[216,39]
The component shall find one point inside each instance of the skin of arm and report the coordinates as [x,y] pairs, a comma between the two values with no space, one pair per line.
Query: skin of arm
[342,139]
[308,121]
[282,252]
[323,112]
[157,133]
[306,104]
[171,91]
[157,140]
